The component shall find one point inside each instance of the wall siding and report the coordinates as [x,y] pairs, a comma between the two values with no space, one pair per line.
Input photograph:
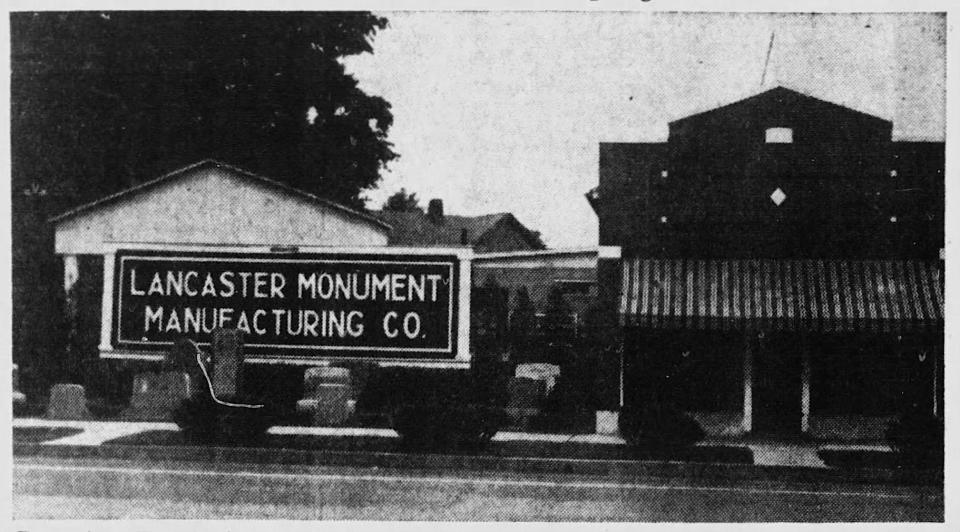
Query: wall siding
[215,206]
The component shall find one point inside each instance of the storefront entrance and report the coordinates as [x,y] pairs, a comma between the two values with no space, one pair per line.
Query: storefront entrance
[777,384]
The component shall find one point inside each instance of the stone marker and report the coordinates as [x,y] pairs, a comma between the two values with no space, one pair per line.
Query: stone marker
[18,396]
[526,395]
[68,401]
[227,351]
[156,395]
[545,372]
[327,394]
[608,422]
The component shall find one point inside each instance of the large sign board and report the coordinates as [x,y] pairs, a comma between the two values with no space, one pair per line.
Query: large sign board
[299,305]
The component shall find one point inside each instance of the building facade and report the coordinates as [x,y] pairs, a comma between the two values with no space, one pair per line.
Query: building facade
[783,263]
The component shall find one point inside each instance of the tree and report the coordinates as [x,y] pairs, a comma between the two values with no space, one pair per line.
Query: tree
[523,322]
[488,317]
[103,101]
[558,326]
[400,201]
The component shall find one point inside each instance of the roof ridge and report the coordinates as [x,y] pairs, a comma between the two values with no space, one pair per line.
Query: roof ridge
[778,87]
[219,164]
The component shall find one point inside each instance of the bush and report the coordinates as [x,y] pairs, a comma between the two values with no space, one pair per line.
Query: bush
[433,427]
[917,439]
[659,425]
[434,409]
[203,421]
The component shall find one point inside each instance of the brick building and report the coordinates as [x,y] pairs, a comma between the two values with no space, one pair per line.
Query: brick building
[783,255]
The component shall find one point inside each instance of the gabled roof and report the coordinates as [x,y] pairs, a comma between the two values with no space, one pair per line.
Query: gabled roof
[772,93]
[414,228]
[208,163]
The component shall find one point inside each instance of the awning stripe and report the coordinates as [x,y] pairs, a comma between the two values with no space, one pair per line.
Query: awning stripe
[788,294]
[929,297]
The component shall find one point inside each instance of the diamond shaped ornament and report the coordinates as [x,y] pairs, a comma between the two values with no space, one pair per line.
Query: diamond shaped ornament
[778,197]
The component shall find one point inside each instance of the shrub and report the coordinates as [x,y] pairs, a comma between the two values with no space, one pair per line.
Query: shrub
[917,439]
[522,326]
[204,421]
[434,409]
[433,427]
[659,425]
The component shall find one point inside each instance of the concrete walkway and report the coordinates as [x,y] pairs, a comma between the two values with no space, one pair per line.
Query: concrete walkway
[765,453]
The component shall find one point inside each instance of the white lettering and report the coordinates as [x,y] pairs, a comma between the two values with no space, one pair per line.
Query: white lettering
[156,285]
[387,330]
[256,321]
[414,331]
[304,283]
[186,283]
[259,282]
[208,288]
[228,282]
[151,316]
[133,284]
[355,323]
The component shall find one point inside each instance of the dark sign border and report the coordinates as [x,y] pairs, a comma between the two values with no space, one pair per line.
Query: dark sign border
[299,352]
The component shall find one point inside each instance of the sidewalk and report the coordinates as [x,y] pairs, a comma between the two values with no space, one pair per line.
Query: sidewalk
[769,453]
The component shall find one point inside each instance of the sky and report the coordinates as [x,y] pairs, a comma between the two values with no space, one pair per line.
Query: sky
[504,111]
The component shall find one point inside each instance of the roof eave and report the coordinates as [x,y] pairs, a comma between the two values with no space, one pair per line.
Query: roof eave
[212,162]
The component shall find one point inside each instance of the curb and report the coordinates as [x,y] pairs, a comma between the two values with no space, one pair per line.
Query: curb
[608,468]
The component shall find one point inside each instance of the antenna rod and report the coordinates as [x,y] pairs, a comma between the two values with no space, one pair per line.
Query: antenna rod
[766,62]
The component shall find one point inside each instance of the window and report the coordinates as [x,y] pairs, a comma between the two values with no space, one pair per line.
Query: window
[779,135]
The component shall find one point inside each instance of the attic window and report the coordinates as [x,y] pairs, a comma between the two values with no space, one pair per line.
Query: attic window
[779,135]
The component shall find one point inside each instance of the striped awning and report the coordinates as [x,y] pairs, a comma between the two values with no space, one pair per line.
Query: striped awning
[826,295]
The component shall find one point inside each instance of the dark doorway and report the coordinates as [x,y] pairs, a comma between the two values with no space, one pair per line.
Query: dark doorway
[776,384]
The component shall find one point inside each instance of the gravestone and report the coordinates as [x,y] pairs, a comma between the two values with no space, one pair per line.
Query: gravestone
[68,401]
[526,396]
[156,395]
[327,393]
[548,373]
[226,348]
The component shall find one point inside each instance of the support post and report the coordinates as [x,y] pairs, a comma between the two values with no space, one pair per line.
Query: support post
[936,375]
[621,350]
[463,314]
[106,303]
[71,273]
[748,384]
[804,387]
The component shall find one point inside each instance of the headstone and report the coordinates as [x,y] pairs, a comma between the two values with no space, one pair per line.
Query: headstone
[68,401]
[328,404]
[327,395]
[324,375]
[156,395]
[182,356]
[227,351]
[545,372]
[608,422]
[526,395]
[526,392]
[18,396]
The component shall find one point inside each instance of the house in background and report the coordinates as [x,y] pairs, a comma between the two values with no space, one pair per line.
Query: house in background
[485,233]
[506,251]
[784,256]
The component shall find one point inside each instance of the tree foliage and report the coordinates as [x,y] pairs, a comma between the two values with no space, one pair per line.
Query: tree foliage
[401,201]
[103,101]
[523,322]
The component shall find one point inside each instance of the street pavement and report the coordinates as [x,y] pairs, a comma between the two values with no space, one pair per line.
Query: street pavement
[57,488]
[764,453]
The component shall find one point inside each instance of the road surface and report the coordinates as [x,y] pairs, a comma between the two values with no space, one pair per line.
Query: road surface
[109,489]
